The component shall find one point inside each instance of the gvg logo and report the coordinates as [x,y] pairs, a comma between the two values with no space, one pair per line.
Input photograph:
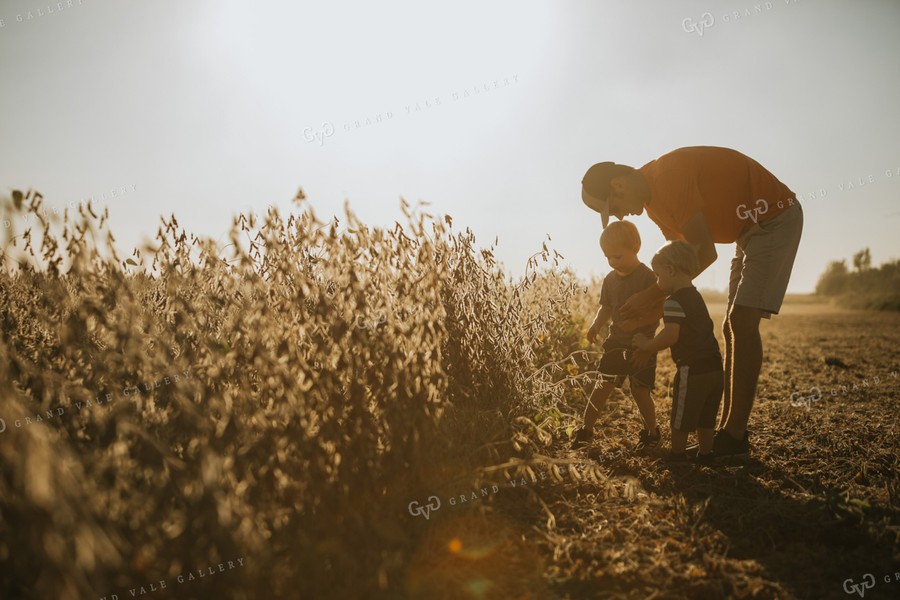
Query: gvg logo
[868,582]
[434,503]
[381,317]
[312,135]
[762,207]
[706,20]
[798,400]
[373,325]
[329,129]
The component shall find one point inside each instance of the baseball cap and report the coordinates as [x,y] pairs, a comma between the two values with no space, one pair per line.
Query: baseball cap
[596,183]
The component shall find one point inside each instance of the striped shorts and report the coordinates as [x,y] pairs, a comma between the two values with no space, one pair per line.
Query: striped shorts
[696,398]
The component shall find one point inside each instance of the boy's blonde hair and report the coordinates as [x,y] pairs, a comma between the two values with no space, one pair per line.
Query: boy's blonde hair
[680,255]
[621,233]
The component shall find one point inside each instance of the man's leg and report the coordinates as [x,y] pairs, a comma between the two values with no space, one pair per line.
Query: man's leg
[760,271]
[746,362]
[734,280]
[729,346]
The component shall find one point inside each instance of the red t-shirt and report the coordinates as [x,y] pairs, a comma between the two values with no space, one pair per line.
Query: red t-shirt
[731,190]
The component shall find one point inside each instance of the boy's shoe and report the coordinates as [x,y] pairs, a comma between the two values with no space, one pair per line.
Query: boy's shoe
[692,450]
[583,437]
[726,446]
[677,458]
[647,441]
[706,460]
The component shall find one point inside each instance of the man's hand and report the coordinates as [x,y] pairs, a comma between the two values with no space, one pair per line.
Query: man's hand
[641,356]
[640,341]
[593,333]
[643,308]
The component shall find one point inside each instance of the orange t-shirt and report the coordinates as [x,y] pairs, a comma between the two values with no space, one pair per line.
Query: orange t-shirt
[731,190]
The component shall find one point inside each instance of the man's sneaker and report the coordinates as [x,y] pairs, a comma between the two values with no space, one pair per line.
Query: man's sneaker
[706,460]
[583,437]
[647,441]
[726,446]
[677,458]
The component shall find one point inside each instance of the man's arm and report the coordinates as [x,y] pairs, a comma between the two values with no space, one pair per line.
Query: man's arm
[642,308]
[696,232]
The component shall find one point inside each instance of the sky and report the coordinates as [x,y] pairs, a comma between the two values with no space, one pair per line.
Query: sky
[490,112]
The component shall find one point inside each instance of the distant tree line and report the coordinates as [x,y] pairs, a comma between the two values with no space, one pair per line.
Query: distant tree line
[876,288]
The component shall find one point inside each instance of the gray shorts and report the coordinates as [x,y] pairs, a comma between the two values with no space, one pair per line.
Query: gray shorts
[763,261]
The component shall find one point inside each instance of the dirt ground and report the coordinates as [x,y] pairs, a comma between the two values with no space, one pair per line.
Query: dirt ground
[812,514]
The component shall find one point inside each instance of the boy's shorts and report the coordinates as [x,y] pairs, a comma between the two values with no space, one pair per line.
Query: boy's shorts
[643,377]
[696,399]
[763,261]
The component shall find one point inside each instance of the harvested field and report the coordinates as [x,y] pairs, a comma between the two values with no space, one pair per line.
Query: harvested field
[816,505]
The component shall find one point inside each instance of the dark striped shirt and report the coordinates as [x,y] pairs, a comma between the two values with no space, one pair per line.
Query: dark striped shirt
[697,345]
